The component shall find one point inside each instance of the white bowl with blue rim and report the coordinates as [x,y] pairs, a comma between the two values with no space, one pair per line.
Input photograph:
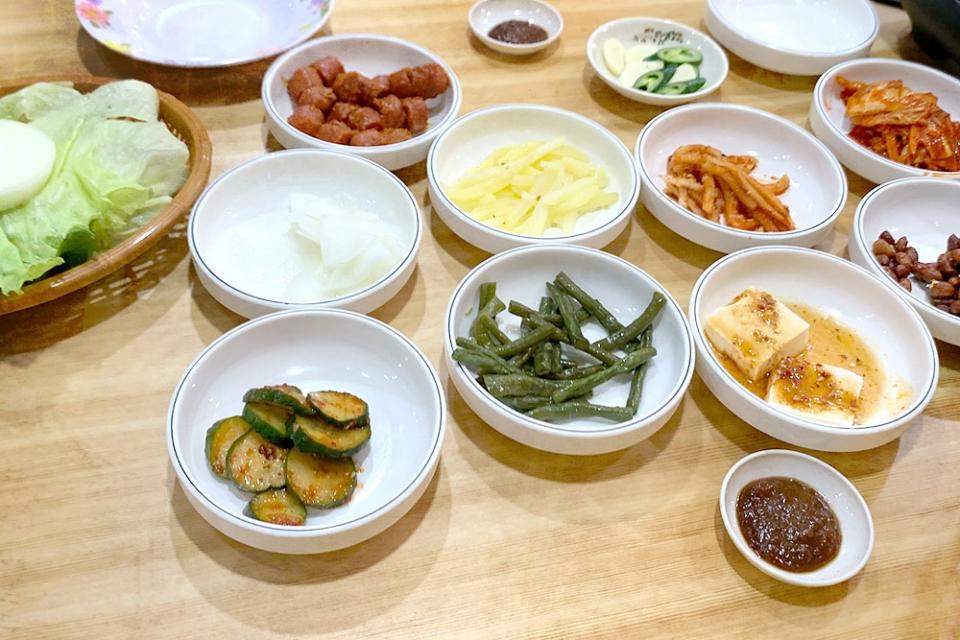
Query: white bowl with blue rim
[487,14]
[472,137]
[245,211]
[521,274]
[314,349]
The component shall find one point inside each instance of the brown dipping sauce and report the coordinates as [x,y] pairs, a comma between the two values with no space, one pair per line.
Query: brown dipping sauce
[788,523]
[518,32]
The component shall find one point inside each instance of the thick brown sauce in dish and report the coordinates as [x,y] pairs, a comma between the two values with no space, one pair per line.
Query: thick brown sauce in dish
[788,523]
[518,32]
[830,343]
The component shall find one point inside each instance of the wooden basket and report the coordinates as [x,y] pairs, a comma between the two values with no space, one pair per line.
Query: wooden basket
[187,127]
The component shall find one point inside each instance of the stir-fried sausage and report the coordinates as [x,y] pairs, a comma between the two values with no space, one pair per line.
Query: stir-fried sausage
[350,86]
[335,131]
[301,80]
[374,138]
[391,112]
[307,118]
[415,110]
[365,118]
[426,81]
[318,96]
[328,68]
[341,111]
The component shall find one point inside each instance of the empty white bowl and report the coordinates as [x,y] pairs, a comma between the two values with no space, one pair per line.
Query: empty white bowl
[314,349]
[802,37]
[260,189]
[926,211]
[472,137]
[487,14]
[828,115]
[662,33]
[371,55]
[846,292]
[625,290]
[856,523]
[818,186]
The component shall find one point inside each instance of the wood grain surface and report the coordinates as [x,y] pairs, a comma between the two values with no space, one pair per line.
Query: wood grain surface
[97,540]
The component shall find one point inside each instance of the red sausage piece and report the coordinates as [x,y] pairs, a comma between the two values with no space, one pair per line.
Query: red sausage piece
[417,114]
[336,132]
[301,80]
[307,119]
[328,68]
[365,118]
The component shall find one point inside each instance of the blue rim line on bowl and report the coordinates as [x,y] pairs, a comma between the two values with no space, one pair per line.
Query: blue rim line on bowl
[411,254]
[752,235]
[431,170]
[830,73]
[304,530]
[858,218]
[543,426]
[908,414]
[397,146]
[808,54]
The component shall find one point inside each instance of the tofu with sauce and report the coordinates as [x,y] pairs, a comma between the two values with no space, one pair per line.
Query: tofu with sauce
[756,331]
[816,391]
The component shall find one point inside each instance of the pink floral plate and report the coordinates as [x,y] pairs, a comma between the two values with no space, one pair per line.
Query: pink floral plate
[202,33]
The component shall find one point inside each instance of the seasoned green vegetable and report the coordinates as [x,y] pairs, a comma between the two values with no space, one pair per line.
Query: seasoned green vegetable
[281,395]
[550,412]
[629,333]
[219,439]
[582,385]
[681,88]
[679,55]
[320,482]
[278,506]
[270,421]
[317,436]
[340,408]
[256,465]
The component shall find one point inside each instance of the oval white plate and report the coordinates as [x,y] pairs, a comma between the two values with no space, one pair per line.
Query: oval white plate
[371,55]
[486,14]
[474,136]
[927,211]
[655,31]
[625,290]
[314,349]
[803,37]
[856,523]
[260,189]
[818,186]
[202,33]
[828,116]
[849,294]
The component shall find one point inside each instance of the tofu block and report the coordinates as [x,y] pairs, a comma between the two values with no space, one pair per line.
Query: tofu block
[816,391]
[756,331]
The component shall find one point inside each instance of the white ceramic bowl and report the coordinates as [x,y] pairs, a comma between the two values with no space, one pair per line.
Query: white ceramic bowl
[818,186]
[828,117]
[802,37]
[486,14]
[655,31]
[474,136]
[925,210]
[372,360]
[211,33]
[625,290]
[371,55]
[261,188]
[856,523]
[849,294]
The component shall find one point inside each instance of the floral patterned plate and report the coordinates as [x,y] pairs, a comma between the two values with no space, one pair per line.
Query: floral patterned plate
[202,33]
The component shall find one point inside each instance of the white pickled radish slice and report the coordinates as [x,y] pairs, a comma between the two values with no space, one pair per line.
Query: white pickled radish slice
[27,156]
[613,55]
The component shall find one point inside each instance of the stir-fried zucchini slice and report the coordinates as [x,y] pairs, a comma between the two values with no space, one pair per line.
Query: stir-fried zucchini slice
[278,506]
[269,420]
[340,408]
[317,436]
[282,395]
[256,465]
[320,482]
[220,437]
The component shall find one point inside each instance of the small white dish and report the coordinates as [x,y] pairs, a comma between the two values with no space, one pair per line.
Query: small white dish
[846,292]
[201,33]
[662,33]
[801,37]
[371,55]
[818,186]
[472,137]
[625,290]
[856,523]
[828,114]
[926,211]
[487,14]
[374,361]
[261,189]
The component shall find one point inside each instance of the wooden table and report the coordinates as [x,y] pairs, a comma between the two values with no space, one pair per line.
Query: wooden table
[97,539]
